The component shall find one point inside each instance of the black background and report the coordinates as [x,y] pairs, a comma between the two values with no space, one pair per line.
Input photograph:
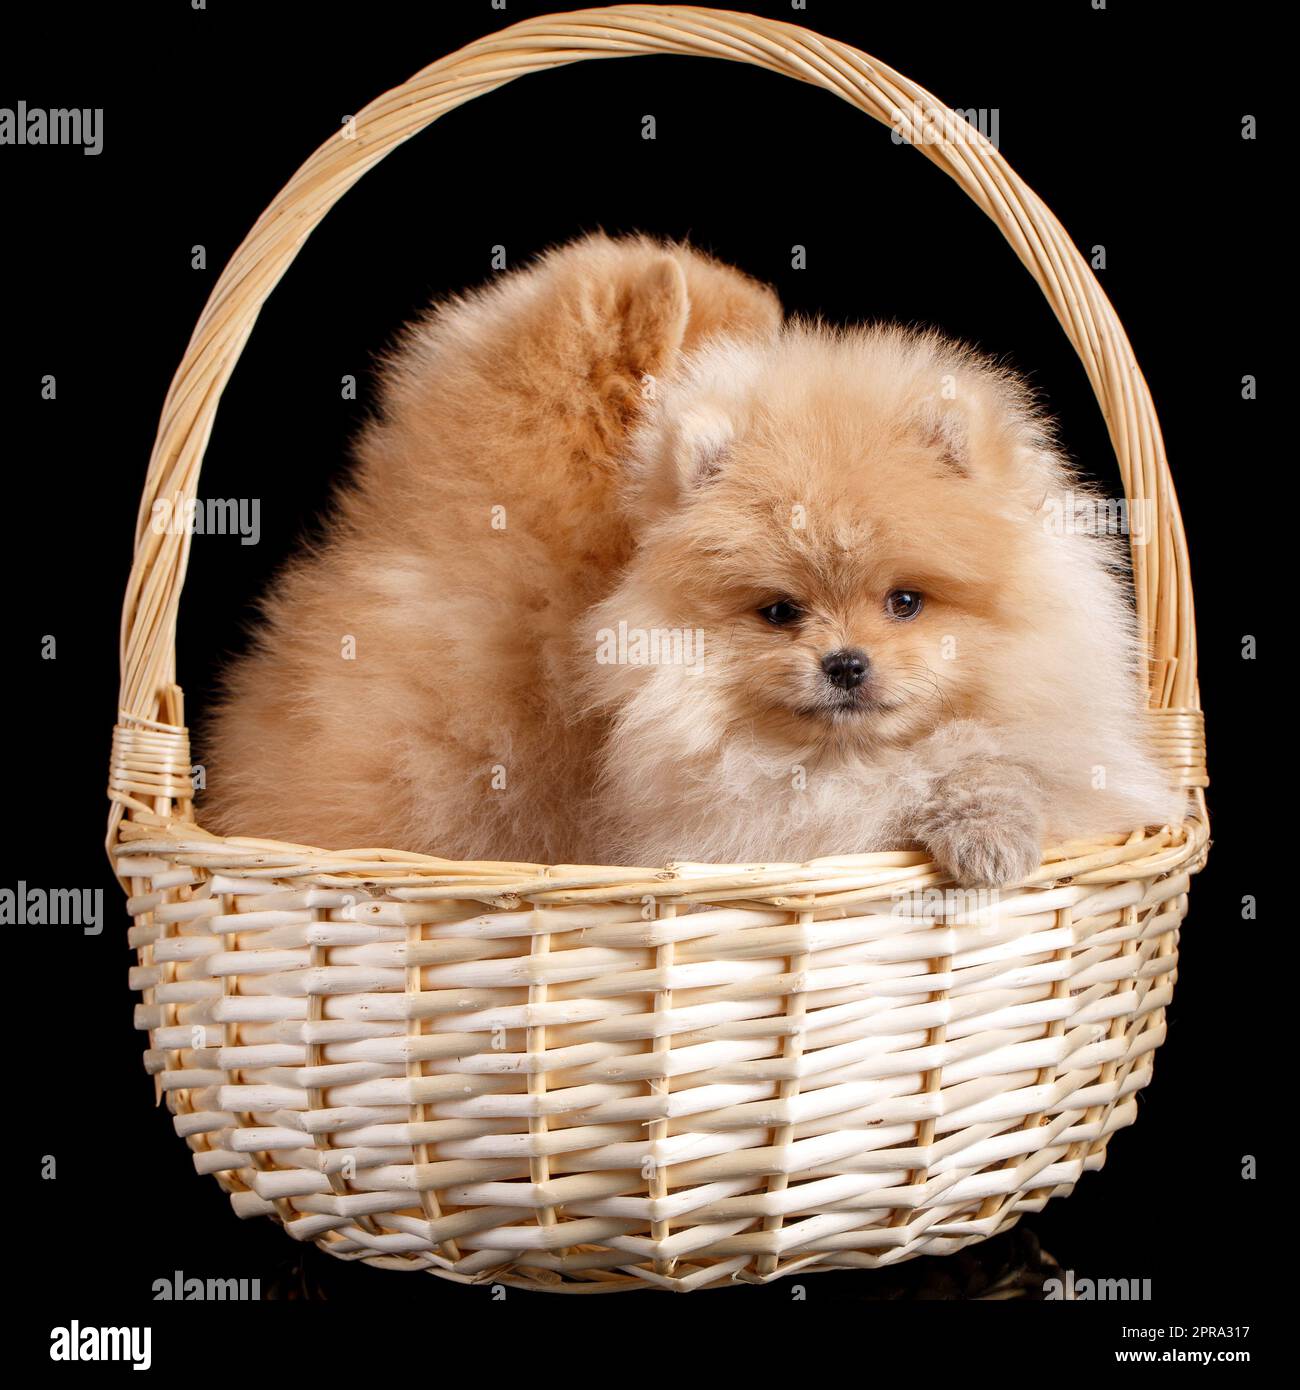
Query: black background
[1126,121]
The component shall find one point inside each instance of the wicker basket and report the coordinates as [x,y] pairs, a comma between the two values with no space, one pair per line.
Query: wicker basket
[569,1077]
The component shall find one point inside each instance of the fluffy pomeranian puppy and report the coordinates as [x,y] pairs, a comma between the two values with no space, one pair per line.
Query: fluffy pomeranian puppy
[632,571]
[909,632]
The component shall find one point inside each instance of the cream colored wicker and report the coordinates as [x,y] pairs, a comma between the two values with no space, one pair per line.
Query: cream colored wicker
[569,1077]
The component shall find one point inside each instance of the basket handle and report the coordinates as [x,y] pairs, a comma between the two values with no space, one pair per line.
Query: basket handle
[151,756]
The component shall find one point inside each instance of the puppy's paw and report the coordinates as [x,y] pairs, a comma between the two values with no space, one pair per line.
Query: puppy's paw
[984,825]
[986,854]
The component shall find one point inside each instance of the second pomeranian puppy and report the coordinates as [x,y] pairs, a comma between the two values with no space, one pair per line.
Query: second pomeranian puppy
[412,683]
[632,572]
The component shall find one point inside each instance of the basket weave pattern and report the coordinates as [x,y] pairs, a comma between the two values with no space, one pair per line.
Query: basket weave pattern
[573,1077]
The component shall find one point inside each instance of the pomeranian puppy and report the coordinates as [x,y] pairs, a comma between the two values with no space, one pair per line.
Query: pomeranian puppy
[632,571]
[909,632]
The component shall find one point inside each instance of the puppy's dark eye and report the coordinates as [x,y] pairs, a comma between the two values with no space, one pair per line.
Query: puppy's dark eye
[903,604]
[781,613]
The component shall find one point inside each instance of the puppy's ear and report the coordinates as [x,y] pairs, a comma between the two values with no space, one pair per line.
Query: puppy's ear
[944,426]
[701,437]
[655,313]
[678,455]
[989,432]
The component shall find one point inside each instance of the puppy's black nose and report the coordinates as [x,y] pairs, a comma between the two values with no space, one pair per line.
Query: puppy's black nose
[847,668]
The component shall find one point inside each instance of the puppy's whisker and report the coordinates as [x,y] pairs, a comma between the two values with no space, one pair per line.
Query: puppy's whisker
[924,672]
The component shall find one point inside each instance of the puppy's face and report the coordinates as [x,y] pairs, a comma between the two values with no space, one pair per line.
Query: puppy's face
[848,550]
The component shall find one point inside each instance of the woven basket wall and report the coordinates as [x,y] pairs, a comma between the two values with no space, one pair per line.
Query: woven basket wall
[570,1077]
